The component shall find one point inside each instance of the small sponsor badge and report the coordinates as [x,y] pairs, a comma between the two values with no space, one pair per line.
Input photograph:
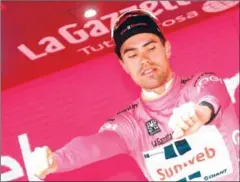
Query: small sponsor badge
[152,127]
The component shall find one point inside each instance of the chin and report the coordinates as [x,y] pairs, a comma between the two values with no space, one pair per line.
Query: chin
[152,86]
[153,83]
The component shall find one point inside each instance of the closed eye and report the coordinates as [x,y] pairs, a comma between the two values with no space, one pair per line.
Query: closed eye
[152,48]
[132,56]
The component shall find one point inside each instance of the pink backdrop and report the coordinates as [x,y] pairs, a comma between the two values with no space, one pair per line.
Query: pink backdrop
[53,109]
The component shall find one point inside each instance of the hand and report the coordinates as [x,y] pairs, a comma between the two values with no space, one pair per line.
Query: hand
[188,118]
[42,162]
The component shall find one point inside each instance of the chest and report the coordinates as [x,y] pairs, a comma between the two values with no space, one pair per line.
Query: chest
[154,132]
[153,125]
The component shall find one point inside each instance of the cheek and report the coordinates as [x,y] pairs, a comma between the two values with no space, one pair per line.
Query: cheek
[160,59]
[134,70]
[133,66]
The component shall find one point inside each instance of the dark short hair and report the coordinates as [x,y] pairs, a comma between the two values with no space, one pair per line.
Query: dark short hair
[132,23]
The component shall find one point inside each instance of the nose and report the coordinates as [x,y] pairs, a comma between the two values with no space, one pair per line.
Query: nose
[144,59]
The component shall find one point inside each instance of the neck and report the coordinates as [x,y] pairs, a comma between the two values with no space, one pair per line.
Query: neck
[156,93]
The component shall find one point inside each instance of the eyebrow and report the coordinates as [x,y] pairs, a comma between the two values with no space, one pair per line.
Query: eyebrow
[144,45]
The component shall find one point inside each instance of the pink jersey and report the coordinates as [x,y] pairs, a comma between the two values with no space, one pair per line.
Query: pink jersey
[141,131]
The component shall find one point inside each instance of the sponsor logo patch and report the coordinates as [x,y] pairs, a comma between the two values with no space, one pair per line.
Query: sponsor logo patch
[152,127]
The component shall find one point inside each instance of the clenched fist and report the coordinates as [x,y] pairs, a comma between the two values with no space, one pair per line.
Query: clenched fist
[188,118]
[42,162]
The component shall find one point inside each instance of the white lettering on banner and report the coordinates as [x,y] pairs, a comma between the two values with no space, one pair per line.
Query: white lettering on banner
[53,45]
[218,6]
[30,54]
[112,16]
[81,34]
[91,49]
[26,152]
[232,85]
[16,169]
[168,5]
[97,28]
[192,14]
[85,49]
[179,19]
[183,3]
[99,48]
[185,158]
[151,6]
[128,9]
[108,43]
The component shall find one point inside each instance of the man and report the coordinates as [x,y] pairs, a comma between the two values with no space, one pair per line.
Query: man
[178,130]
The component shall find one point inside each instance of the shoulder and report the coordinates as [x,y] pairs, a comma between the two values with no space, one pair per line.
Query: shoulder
[186,79]
[205,76]
[123,119]
[130,108]
[126,113]
[200,78]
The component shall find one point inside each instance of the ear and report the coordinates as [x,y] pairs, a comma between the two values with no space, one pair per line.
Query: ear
[168,49]
[123,65]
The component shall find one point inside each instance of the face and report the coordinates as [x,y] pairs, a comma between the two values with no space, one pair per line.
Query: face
[145,59]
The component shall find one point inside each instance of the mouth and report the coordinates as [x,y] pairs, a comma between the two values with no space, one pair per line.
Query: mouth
[148,72]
